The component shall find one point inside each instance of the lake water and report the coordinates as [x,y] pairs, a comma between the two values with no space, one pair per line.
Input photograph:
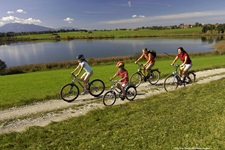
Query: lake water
[42,52]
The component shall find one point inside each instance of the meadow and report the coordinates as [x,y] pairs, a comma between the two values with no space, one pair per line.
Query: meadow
[193,118]
[27,88]
[197,31]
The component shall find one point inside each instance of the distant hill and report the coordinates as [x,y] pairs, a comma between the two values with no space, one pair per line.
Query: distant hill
[18,27]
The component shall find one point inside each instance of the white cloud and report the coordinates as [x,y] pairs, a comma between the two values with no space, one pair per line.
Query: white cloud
[68,19]
[191,15]
[21,11]
[10,12]
[20,20]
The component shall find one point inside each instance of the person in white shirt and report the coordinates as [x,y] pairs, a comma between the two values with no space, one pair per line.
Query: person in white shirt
[87,74]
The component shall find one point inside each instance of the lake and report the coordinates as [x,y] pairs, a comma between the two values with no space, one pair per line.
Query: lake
[23,53]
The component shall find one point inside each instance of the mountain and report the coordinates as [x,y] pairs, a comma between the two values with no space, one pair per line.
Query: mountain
[18,27]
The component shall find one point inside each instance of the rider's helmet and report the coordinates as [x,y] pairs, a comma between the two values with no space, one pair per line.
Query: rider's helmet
[120,64]
[81,56]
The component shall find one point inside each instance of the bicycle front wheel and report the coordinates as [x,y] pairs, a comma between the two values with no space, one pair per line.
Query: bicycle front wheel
[96,87]
[170,83]
[131,92]
[154,78]
[109,98]
[135,79]
[69,92]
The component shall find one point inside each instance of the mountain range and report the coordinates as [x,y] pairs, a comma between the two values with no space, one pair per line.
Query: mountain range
[18,27]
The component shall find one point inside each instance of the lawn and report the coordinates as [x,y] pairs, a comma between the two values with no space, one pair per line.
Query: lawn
[193,118]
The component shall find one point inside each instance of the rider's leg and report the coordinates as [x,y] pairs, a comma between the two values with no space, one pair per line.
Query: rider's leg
[148,68]
[185,71]
[86,76]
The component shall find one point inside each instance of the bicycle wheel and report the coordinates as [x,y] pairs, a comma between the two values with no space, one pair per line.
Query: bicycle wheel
[131,92]
[109,98]
[96,87]
[135,79]
[170,83]
[69,92]
[191,78]
[154,78]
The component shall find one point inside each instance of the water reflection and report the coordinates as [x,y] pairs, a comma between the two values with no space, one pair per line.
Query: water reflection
[41,52]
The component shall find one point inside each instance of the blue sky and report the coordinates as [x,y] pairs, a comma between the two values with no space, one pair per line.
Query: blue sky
[111,14]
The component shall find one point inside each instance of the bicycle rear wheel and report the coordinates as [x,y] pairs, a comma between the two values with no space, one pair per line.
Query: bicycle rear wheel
[170,83]
[131,92]
[135,79]
[69,92]
[109,98]
[154,78]
[191,78]
[96,87]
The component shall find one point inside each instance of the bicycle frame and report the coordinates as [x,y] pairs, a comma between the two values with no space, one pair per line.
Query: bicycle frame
[141,68]
[77,80]
[114,86]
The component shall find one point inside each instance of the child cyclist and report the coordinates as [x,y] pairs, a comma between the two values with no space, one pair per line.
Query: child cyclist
[124,79]
[87,74]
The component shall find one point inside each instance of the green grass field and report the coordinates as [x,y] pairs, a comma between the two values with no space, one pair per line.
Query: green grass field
[21,89]
[116,34]
[193,118]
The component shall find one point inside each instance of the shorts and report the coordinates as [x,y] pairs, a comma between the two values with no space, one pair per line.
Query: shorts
[186,66]
[123,84]
[86,76]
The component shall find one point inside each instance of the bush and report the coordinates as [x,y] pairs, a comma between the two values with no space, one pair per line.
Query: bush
[3,66]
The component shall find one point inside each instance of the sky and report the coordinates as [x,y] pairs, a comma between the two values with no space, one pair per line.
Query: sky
[111,14]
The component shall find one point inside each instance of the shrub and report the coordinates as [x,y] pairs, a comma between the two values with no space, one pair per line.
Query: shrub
[3,66]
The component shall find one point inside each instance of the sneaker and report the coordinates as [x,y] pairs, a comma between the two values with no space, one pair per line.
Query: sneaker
[122,98]
[85,92]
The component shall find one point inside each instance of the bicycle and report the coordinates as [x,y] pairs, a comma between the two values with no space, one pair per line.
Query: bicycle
[109,97]
[173,80]
[137,77]
[69,92]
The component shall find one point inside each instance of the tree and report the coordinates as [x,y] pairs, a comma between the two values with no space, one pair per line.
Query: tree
[3,66]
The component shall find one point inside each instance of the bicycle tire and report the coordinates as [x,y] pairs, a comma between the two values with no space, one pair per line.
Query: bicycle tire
[96,87]
[109,98]
[154,77]
[69,92]
[131,92]
[136,79]
[170,83]
[192,78]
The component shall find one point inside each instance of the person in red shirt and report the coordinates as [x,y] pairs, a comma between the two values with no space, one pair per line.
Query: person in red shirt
[150,60]
[124,78]
[187,63]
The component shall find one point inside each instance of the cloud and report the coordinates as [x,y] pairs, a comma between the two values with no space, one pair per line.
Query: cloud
[20,20]
[10,12]
[21,11]
[190,15]
[68,19]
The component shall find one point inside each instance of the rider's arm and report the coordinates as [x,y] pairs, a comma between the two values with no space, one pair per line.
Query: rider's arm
[185,60]
[75,69]
[174,60]
[139,59]
[81,67]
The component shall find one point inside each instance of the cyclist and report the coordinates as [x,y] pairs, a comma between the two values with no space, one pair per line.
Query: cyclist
[150,60]
[87,74]
[187,63]
[124,78]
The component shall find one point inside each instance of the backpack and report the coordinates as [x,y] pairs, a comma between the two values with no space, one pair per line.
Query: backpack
[152,52]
